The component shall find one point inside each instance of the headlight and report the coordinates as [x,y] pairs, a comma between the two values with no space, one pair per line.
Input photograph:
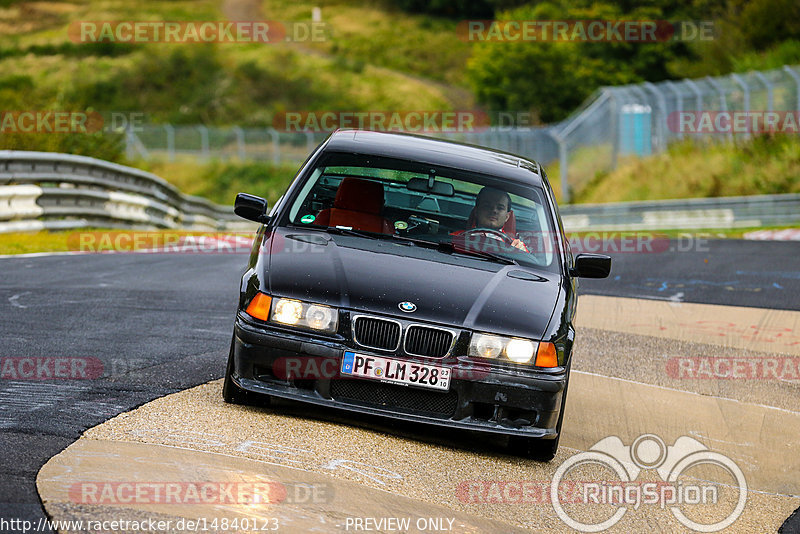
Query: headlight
[294,313]
[486,346]
[304,314]
[519,350]
[287,311]
[320,317]
[515,349]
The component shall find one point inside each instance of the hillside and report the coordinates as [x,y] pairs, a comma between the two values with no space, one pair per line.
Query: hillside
[370,59]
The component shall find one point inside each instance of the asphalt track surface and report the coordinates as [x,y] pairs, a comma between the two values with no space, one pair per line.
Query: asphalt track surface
[161,323]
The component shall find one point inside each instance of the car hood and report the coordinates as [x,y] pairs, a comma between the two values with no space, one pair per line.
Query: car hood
[318,267]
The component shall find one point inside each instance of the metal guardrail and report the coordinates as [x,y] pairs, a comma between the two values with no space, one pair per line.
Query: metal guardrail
[698,213]
[44,190]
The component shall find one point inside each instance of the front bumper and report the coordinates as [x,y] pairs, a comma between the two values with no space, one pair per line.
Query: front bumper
[500,401]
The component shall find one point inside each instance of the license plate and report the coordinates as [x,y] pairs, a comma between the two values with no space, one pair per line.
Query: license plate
[396,371]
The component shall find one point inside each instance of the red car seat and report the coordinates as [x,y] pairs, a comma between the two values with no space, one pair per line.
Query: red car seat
[358,205]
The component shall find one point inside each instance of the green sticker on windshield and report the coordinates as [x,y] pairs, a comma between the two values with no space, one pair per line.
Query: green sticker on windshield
[401,225]
[307,219]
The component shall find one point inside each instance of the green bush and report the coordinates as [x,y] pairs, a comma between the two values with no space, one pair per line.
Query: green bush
[553,78]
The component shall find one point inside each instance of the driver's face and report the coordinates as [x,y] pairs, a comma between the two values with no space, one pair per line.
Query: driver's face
[492,211]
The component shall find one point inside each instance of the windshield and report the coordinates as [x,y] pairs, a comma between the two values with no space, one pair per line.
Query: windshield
[452,210]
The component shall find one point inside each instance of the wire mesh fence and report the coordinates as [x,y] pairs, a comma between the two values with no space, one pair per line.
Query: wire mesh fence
[615,122]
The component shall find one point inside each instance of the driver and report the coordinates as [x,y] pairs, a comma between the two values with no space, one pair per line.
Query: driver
[493,210]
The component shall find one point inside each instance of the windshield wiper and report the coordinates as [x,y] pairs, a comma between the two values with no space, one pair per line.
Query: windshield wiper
[338,230]
[394,237]
[450,247]
[442,246]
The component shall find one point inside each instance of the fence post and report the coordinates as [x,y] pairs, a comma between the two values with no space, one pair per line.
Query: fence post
[276,146]
[723,99]
[170,142]
[129,142]
[239,142]
[661,125]
[614,129]
[203,141]
[678,106]
[796,79]
[698,93]
[309,142]
[768,85]
[563,158]
[746,96]
[132,143]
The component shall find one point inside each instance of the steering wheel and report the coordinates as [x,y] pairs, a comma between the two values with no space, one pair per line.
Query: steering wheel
[491,232]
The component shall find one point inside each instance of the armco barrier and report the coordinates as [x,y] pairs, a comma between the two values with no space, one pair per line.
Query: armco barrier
[688,214]
[41,190]
[45,190]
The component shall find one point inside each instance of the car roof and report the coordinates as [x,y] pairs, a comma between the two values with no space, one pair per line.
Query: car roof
[436,152]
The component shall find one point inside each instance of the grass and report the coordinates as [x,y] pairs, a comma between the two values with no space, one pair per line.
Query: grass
[221,181]
[419,45]
[767,164]
[29,242]
[372,59]
[96,240]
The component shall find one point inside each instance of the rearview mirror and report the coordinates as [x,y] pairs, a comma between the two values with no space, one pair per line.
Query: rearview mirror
[421,185]
[591,266]
[250,207]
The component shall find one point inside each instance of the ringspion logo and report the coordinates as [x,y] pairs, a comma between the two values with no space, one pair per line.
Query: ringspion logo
[676,490]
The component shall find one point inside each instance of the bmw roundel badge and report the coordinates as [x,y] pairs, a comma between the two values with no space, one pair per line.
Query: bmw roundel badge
[407,306]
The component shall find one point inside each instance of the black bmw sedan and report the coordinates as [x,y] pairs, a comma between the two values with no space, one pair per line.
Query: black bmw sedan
[417,279]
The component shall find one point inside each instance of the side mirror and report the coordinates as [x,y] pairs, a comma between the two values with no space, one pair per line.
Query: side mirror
[250,207]
[591,266]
